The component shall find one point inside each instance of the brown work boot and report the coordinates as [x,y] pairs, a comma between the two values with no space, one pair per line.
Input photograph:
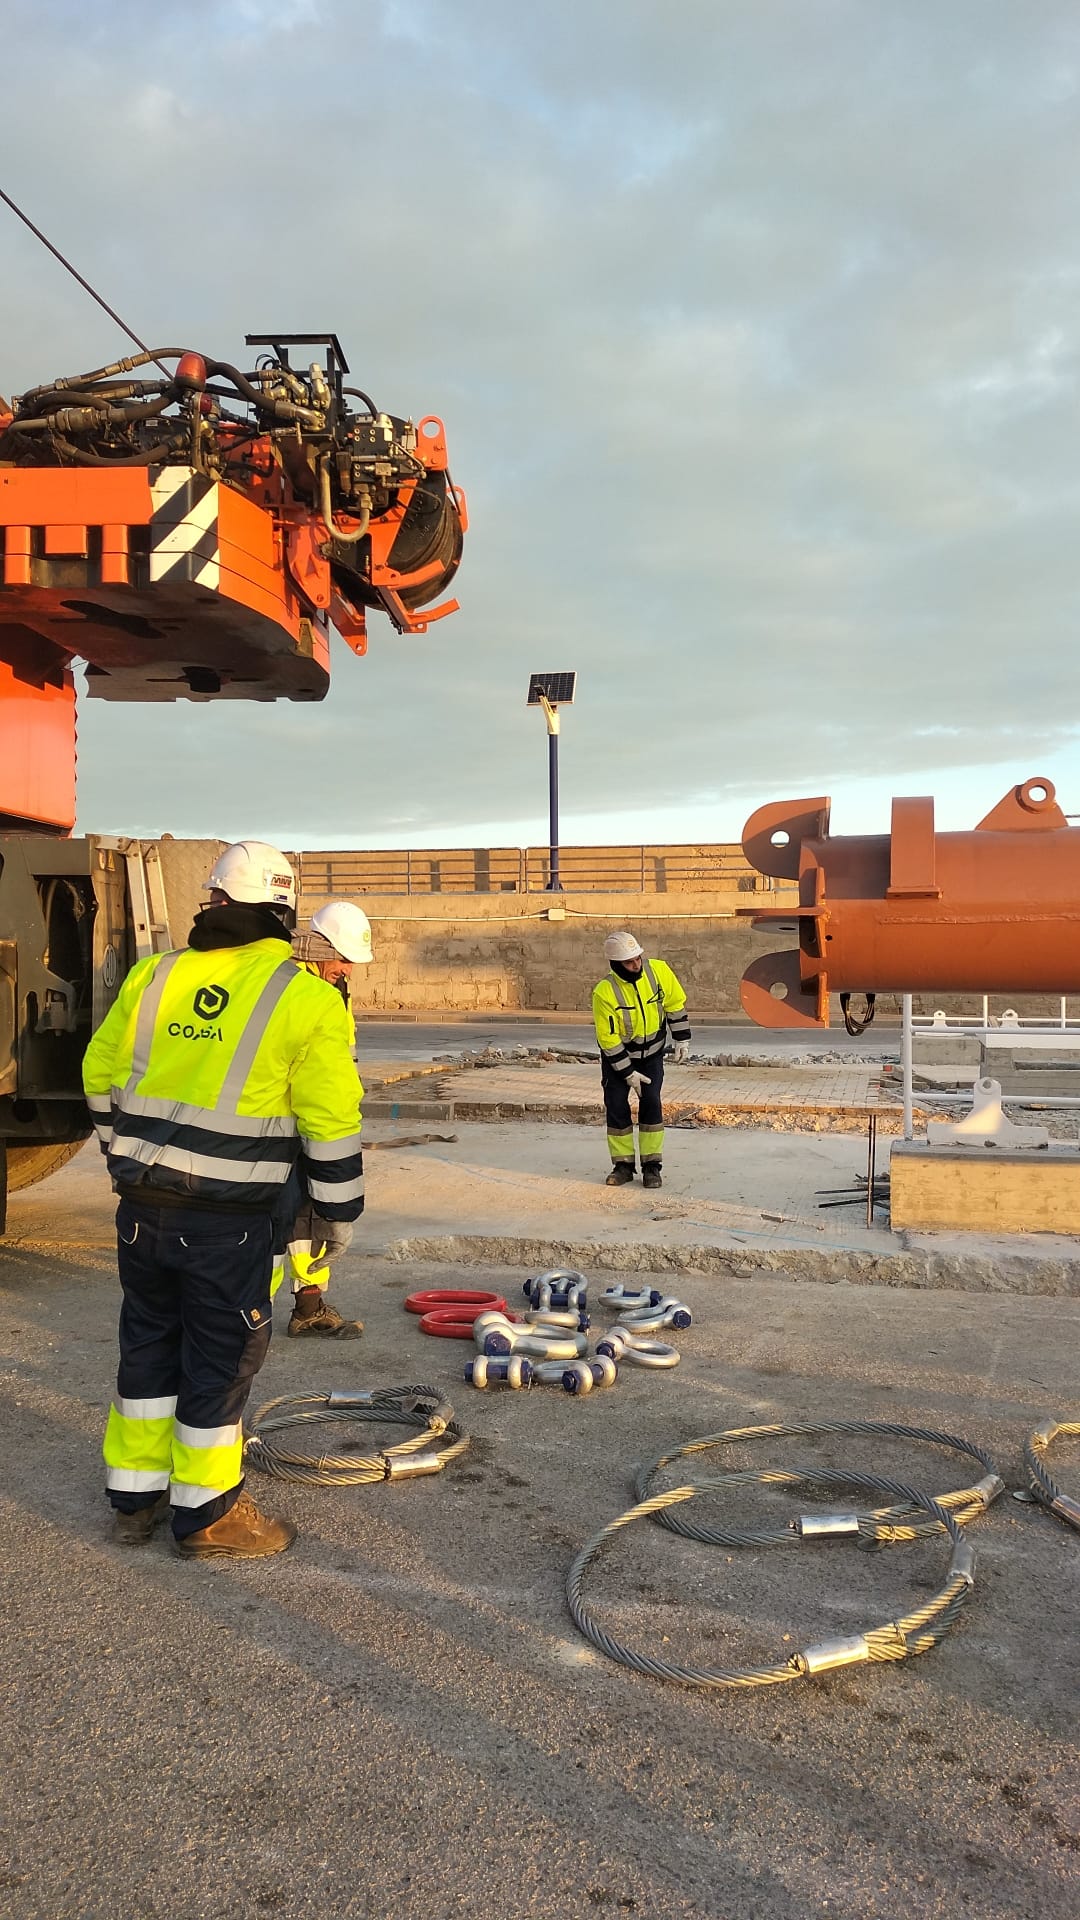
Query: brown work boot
[651,1176]
[620,1176]
[312,1315]
[137,1529]
[241,1534]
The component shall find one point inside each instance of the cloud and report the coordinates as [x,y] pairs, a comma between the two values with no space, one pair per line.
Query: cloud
[754,332]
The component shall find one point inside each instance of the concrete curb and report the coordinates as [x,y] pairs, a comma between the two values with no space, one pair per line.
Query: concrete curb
[937,1272]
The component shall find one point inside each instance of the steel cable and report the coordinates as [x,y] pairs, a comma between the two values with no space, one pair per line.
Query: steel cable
[882,1526]
[421,1408]
[1046,1491]
[901,1639]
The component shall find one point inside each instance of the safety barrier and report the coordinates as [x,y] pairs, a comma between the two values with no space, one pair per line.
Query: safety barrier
[720,866]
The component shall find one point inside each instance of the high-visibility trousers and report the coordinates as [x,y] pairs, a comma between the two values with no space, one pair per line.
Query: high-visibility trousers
[194,1330]
[304,1268]
[650,1118]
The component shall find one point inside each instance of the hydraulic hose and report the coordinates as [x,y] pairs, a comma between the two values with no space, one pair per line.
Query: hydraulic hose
[421,1408]
[882,1526]
[899,1639]
[1046,1491]
[326,508]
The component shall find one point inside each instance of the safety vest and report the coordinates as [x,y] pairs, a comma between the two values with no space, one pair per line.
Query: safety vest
[215,1073]
[632,1020]
[311,966]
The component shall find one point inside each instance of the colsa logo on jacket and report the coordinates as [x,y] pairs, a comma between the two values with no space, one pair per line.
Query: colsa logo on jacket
[208,1004]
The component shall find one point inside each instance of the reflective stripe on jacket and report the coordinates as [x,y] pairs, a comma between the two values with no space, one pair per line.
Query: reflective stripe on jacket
[215,1073]
[633,1018]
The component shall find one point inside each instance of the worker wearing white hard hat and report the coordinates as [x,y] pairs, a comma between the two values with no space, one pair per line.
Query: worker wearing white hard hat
[339,939]
[224,1094]
[637,1007]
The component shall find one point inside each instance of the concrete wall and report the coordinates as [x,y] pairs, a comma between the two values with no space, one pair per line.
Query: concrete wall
[490,951]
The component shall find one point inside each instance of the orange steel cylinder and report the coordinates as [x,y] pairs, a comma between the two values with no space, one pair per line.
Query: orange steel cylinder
[993,910]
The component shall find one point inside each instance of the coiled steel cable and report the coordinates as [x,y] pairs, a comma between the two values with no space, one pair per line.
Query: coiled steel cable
[1046,1491]
[421,1408]
[901,1639]
[882,1526]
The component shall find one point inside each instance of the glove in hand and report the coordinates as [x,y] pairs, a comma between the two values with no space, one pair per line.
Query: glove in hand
[333,1236]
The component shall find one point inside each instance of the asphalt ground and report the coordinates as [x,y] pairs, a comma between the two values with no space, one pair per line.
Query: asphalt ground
[398,1718]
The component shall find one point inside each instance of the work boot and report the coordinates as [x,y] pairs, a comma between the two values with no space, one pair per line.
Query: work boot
[651,1177]
[137,1529]
[241,1534]
[312,1315]
[620,1175]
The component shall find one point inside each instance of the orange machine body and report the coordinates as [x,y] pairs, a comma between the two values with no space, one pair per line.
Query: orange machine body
[993,910]
[166,583]
[37,741]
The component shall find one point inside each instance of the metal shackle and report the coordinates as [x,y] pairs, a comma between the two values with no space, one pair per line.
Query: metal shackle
[563,1288]
[494,1333]
[506,1370]
[584,1375]
[614,1342]
[577,1321]
[669,1312]
[622,1343]
[555,1345]
[624,1298]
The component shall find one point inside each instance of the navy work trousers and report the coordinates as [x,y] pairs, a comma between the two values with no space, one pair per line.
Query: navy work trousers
[195,1322]
[650,1117]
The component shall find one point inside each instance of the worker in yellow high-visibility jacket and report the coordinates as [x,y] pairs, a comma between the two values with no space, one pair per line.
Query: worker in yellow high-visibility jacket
[339,939]
[222,1075]
[636,1006]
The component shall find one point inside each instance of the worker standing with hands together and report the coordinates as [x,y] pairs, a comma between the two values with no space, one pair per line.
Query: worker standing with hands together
[635,1008]
[338,940]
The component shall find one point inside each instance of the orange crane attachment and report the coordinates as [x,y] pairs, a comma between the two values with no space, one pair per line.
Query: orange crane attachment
[993,910]
[196,536]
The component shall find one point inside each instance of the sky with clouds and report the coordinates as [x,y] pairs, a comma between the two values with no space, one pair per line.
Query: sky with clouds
[753,325]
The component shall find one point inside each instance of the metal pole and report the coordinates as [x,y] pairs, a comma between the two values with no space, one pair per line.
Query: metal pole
[551,715]
[905,1062]
[1064,1004]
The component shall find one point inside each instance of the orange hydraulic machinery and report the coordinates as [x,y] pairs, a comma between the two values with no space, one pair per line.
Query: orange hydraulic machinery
[194,535]
[993,910]
[187,531]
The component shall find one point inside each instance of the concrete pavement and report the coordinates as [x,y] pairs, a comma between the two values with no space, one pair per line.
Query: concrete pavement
[398,1717]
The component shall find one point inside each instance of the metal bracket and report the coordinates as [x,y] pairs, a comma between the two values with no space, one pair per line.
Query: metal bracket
[985,1126]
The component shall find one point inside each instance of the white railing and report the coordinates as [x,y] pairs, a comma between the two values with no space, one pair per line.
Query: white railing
[1041,1034]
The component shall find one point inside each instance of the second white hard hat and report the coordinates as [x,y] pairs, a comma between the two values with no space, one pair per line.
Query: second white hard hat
[622,946]
[251,871]
[347,928]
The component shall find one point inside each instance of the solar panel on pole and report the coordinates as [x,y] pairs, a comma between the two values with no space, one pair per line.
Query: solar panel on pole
[557,688]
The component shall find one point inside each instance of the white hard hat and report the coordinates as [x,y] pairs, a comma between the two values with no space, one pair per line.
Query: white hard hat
[347,928]
[622,946]
[253,871]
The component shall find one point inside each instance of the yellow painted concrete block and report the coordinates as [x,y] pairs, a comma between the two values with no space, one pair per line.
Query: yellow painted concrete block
[985,1189]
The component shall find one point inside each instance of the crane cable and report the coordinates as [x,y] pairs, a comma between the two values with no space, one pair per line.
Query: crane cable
[421,1408]
[881,1526]
[85,284]
[901,1639]
[1046,1491]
